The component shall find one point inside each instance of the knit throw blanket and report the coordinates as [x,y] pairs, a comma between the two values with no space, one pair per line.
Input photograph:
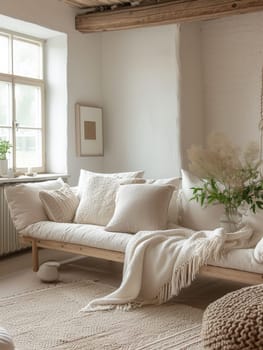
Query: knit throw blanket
[159,264]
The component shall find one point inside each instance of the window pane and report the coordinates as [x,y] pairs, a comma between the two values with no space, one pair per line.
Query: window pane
[4,49]
[27,58]
[28,105]
[28,149]
[5,104]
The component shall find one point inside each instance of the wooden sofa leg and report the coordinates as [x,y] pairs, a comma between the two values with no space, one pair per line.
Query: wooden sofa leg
[35,259]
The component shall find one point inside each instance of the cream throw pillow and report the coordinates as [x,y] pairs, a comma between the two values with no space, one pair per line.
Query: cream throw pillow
[192,215]
[173,210]
[24,202]
[141,207]
[85,174]
[60,205]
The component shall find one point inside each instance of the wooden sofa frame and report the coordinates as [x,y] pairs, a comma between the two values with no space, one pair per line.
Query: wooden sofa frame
[208,271]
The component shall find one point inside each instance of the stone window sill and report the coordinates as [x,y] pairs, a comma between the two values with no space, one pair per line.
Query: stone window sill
[35,178]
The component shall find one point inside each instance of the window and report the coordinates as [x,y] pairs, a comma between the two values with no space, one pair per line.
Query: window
[22,100]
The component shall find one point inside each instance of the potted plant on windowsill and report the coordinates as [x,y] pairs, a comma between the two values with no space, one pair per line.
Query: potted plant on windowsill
[4,149]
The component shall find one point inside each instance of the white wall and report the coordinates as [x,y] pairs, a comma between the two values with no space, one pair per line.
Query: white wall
[192,92]
[56,103]
[83,70]
[141,100]
[232,61]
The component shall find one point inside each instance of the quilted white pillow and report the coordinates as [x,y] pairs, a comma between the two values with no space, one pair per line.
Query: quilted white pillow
[192,215]
[24,202]
[97,201]
[60,205]
[85,174]
[141,207]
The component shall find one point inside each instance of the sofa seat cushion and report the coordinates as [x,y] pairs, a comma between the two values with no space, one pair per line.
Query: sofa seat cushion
[97,237]
[239,259]
[88,235]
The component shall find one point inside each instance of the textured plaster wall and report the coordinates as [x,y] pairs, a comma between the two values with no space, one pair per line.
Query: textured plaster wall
[140,84]
[232,60]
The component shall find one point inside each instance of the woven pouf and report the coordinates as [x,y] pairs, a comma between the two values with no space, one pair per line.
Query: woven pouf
[235,321]
[6,342]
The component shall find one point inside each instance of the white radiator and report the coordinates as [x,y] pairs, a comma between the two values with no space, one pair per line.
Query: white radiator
[8,236]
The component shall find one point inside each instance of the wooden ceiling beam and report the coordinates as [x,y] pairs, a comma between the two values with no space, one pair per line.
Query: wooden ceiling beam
[176,11]
[93,3]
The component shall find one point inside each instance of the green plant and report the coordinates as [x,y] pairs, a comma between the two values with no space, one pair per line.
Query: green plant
[232,198]
[228,176]
[4,148]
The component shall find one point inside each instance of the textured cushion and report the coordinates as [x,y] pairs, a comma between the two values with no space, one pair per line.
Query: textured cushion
[235,321]
[60,205]
[6,342]
[173,210]
[85,174]
[24,202]
[192,215]
[97,201]
[141,207]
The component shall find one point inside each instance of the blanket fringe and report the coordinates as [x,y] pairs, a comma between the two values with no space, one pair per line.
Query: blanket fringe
[184,275]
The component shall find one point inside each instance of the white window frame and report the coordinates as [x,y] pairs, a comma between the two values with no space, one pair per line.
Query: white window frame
[39,82]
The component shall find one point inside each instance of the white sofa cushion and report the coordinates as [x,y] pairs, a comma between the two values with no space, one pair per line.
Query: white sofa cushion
[24,202]
[97,237]
[85,174]
[192,215]
[97,201]
[87,235]
[141,207]
[60,205]
[239,259]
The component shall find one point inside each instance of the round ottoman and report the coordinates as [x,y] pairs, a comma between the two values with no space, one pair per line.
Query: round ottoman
[235,321]
[6,342]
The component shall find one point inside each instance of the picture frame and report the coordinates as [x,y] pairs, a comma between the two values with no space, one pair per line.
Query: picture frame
[89,130]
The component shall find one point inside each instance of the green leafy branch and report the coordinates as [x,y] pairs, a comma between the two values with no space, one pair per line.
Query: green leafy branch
[214,192]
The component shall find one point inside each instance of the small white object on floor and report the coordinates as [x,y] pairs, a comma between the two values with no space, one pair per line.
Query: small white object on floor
[6,342]
[48,271]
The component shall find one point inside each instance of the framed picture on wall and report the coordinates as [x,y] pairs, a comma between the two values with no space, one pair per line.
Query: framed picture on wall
[89,131]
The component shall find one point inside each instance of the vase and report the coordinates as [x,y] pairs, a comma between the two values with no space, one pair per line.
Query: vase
[3,167]
[231,220]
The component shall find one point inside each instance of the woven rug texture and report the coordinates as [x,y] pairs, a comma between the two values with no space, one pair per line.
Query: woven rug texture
[49,319]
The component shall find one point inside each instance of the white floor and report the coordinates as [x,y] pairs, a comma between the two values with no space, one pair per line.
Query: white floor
[16,276]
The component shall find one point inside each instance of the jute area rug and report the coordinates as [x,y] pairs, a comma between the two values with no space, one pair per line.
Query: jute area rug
[49,319]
